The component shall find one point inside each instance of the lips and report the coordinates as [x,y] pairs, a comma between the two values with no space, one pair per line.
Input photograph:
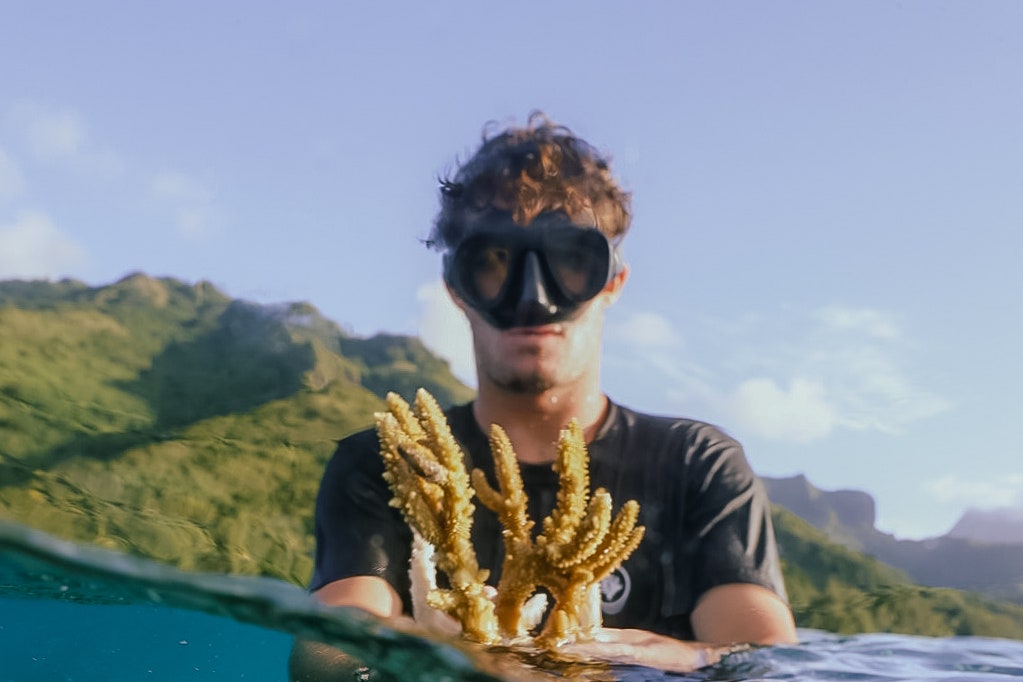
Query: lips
[543,330]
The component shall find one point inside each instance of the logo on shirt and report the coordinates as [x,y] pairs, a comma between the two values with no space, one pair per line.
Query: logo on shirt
[614,591]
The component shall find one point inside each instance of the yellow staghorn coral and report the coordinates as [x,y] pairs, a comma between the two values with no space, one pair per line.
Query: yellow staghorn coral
[424,467]
[519,574]
[579,546]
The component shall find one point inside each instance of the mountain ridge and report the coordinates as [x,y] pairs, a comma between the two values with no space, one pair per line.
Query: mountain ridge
[1002,525]
[962,561]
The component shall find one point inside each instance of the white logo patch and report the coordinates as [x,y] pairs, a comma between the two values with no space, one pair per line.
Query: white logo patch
[614,591]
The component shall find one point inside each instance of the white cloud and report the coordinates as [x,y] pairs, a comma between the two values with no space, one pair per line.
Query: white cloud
[33,248]
[191,201]
[1001,491]
[61,137]
[646,330]
[873,323]
[180,187]
[11,181]
[56,136]
[871,388]
[783,375]
[797,414]
[445,330]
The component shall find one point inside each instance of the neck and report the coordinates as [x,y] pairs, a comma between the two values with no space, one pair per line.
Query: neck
[533,421]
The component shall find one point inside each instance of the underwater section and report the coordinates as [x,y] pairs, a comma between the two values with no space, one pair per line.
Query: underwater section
[84,613]
[70,611]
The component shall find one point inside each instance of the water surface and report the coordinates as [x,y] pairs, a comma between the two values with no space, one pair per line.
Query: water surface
[75,613]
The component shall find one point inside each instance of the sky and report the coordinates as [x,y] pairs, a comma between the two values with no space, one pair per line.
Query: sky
[827,196]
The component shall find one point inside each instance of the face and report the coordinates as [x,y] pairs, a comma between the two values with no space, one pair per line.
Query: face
[535,359]
[531,360]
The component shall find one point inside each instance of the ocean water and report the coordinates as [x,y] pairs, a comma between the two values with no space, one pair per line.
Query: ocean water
[74,613]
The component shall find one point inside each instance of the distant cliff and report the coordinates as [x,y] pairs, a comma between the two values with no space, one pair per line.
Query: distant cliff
[993,526]
[977,554]
[844,515]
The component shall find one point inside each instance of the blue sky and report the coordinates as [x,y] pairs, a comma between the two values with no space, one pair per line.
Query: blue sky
[828,196]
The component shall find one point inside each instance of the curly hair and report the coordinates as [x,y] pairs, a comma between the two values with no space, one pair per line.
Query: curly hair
[526,171]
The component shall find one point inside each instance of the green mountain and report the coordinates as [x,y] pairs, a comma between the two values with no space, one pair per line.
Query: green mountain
[167,420]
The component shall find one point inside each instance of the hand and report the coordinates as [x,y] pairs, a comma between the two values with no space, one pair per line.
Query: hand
[641,647]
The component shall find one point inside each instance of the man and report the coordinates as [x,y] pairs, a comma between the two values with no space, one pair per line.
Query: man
[531,228]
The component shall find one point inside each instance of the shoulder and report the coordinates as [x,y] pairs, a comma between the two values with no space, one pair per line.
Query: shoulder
[367,437]
[702,453]
[461,420]
[359,451]
[358,443]
[689,434]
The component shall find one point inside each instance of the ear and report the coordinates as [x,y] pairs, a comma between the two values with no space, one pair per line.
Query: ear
[614,288]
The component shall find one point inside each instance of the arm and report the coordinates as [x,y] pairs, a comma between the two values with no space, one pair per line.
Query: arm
[743,613]
[734,573]
[360,550]
[313,661]
[642,647]
[738,590]
[737,613]
[366,592]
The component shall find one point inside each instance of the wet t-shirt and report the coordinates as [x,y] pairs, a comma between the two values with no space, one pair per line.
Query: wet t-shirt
[706,514]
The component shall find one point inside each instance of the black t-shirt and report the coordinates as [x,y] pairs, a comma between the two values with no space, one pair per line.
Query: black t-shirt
[706,514]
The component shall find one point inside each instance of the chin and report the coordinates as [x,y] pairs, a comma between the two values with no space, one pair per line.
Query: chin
[526,383]
[534,386]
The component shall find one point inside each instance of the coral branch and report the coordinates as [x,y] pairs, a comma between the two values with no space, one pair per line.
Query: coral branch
[425,470]
[580,543]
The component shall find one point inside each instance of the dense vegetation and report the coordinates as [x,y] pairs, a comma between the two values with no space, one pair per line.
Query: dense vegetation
[166,420]
[169,421]
[836,589]
[847,517]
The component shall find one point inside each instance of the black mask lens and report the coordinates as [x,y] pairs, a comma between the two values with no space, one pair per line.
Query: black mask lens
[482,267]
[571,264]
[579,261]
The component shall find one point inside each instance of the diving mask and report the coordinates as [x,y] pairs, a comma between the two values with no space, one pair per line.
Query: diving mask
[518,276]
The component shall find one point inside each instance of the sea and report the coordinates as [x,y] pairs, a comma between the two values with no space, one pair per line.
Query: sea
[77,613]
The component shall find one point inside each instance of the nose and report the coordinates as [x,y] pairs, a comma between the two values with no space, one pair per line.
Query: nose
[533,289]
[534,306]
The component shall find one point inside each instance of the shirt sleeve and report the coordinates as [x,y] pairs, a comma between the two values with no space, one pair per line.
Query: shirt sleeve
[729,519]
[357,533]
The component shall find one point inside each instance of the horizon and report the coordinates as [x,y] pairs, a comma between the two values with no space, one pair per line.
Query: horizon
[826,229]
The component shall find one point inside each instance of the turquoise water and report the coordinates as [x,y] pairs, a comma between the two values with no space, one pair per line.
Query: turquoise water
[73,613]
